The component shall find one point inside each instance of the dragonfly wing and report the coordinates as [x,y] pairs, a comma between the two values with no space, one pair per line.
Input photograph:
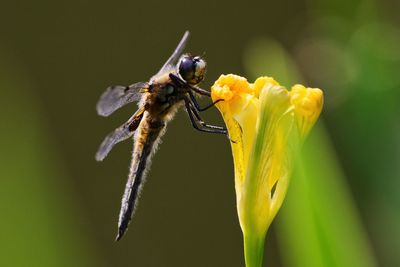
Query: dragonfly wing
[146,140]
[118,96]
[176,54]
[120,134]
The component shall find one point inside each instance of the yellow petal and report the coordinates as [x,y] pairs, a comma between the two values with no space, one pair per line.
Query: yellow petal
[261,82]
[269,159]
[308,104]
[239,110]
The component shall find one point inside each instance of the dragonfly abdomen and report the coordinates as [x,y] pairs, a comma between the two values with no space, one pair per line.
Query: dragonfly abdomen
[146,140]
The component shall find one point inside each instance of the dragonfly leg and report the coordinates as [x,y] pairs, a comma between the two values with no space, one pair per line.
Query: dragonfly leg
[196,103]
[200,91]
[199,124]
[176,79]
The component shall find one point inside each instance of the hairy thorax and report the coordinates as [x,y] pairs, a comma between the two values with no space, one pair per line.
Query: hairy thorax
[163,100]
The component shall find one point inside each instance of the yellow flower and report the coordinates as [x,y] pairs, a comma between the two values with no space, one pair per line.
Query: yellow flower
[266,124]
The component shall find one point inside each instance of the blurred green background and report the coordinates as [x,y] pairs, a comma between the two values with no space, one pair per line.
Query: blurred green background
[59,206]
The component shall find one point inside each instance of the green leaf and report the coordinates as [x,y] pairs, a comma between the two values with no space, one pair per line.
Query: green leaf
[319,224]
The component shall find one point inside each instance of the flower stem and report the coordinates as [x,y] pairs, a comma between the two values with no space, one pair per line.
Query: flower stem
[253,249]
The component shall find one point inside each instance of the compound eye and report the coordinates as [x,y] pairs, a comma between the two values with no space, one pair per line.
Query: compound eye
[192,69]
[187,68]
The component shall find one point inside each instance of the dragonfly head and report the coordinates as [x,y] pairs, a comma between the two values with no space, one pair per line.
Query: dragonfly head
[192,69]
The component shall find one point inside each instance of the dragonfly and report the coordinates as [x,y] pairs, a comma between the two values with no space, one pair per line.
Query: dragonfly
[173,86]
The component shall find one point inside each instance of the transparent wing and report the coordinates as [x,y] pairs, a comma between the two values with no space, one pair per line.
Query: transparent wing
[118,135]
[176,54]
[118,96]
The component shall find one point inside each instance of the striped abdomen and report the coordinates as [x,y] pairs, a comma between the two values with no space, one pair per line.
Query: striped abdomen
[146,139]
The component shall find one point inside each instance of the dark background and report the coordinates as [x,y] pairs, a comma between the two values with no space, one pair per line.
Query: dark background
[59,206]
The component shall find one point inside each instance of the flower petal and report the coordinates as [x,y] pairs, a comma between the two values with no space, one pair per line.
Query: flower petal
[307,104]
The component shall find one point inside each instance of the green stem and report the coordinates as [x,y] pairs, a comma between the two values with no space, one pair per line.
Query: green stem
[253,250]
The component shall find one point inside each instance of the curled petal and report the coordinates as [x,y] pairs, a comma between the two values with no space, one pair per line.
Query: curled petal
[307,104]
